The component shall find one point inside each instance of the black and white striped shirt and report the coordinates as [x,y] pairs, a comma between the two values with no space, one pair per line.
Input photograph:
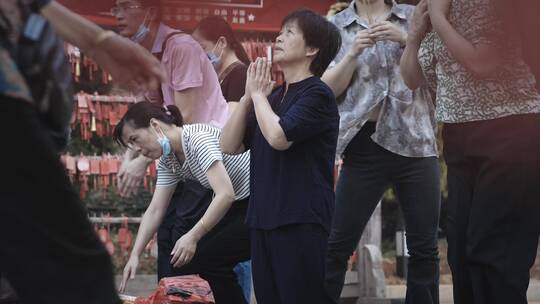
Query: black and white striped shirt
[201,149]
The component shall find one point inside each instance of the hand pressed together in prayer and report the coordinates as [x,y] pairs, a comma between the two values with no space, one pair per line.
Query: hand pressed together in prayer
[259,78]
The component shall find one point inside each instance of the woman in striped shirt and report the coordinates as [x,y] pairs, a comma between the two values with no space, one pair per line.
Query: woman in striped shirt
[218,240]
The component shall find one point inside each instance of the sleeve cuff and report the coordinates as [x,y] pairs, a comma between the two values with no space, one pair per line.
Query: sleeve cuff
[287,130]
[187,85]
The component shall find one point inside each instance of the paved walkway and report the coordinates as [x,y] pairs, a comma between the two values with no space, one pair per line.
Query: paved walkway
[143,285]
[398,291]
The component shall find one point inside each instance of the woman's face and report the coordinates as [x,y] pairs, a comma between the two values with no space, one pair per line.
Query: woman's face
[290,44]
[215,50]
[142,140]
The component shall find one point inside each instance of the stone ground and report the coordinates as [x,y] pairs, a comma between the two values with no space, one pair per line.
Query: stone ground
[145,283]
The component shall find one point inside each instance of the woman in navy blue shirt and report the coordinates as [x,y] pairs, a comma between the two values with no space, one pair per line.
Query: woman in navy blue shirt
[292,134]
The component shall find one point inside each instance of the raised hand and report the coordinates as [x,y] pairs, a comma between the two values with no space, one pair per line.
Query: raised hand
[387,31]
[362,41]
[419,22]
[259,78]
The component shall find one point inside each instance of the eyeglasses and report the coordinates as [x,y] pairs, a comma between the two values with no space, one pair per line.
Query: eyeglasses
[124,8]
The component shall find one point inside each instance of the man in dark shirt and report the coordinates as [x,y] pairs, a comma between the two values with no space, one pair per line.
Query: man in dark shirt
[292,136]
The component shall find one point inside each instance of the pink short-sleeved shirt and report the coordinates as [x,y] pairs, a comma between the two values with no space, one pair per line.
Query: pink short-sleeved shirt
[187,67]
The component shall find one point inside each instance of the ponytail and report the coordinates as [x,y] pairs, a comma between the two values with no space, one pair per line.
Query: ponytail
[175,114]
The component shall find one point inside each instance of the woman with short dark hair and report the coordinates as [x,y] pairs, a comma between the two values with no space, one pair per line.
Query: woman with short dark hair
[291,133]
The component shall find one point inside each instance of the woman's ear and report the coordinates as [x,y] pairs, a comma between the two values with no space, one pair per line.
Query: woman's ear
[154,123]
[222,42]
[311,51]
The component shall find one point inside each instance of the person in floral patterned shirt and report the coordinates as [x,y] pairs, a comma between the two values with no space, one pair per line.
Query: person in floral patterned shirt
[486,96]
[387,138]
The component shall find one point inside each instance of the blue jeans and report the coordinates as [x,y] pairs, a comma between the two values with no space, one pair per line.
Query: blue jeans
[243,273]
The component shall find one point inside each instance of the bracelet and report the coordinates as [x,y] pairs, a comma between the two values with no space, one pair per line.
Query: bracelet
[204,226]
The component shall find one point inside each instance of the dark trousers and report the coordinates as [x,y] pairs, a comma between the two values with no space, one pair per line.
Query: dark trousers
[188,204]
[493,207]
[288,264]
[49,251]
[368,170]
[165,246]
[218,252]
[7,294]
[165,241]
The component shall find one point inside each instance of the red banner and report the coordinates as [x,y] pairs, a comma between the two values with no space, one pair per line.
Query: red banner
[243,15]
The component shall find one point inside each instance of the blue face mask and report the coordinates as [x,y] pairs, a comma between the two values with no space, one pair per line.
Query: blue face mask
[164,142]
[214,59]
[142,32]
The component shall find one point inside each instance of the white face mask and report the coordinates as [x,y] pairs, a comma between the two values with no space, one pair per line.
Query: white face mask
[143,30]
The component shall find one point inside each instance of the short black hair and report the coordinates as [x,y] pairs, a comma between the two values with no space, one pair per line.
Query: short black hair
[318,33]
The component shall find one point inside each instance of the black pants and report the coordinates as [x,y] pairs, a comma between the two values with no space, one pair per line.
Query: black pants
[188,204]
[493,207]
[288,264]
[49,251]
[218,252]
[368,170]
[165,241]
[7,294]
